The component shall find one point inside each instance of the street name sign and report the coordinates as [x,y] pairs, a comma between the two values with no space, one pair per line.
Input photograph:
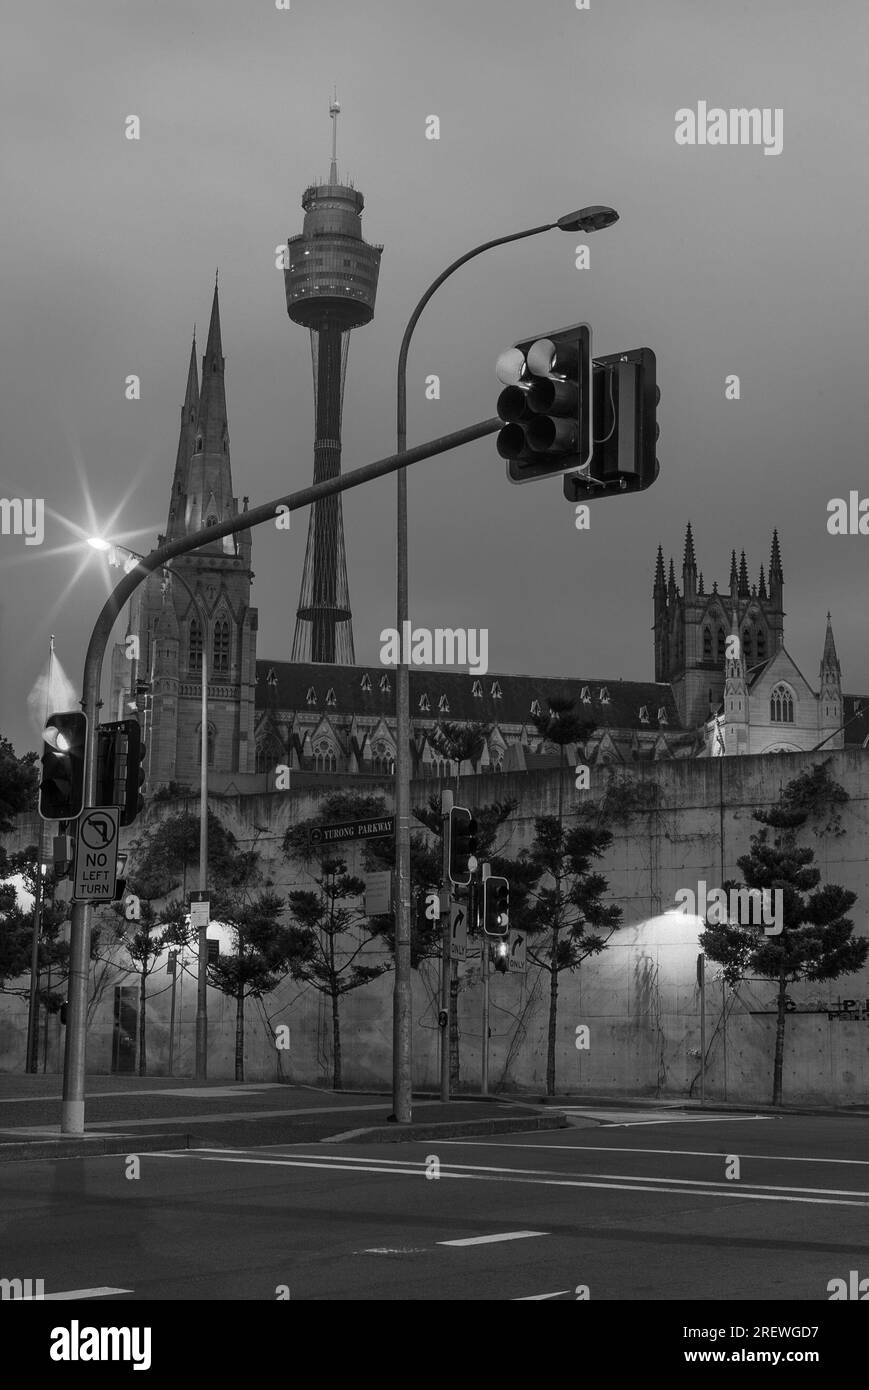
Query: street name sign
[351,830]
[96,855]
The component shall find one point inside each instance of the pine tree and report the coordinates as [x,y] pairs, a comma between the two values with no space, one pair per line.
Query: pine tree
[332,937]
[563,913]
[816,942]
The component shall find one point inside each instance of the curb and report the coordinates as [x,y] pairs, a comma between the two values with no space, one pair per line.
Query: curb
[90,1146]
[694,1107]
[449,1129]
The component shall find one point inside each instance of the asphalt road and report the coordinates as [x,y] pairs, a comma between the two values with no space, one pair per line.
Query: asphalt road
[638,1207]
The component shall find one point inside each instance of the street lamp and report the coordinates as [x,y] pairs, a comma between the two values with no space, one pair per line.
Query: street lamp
[201,1062]
[589,219]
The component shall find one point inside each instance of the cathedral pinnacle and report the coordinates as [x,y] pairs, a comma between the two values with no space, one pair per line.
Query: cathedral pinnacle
[744,587]
[660,582]
[775,568]
[688,559]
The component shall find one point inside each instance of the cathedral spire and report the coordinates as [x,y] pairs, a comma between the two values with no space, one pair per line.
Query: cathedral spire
[688,560]
[189,412]
[734,578]
[671,581]
[830,660]
[209,487]
[775,557]
[744,586]
[660,582]
[761,588]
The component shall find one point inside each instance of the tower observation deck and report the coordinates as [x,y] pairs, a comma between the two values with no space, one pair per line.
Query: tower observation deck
[331,285]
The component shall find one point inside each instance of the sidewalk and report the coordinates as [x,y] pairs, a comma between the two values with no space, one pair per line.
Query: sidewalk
[137,1114]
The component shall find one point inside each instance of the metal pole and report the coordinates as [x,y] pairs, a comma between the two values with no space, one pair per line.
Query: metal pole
[31,1061]
[72,1108]
[402,1059]
[172,1014]
[484,970]
[701,981]
[446,805]
[33,1009]
[202,970]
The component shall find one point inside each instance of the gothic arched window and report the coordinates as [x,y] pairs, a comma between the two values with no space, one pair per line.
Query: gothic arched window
[221,647]
[324,757]
[707,644]
[194,650]
[721,643]
[382,760]
[781,705]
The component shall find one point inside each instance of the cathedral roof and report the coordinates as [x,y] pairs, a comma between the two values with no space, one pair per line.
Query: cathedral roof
[450,695]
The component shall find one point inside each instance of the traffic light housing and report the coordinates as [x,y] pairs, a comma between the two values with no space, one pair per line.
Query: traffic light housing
[546,404]
[461,845]
[625,399]
[120,775]
[496,906]
[61,782]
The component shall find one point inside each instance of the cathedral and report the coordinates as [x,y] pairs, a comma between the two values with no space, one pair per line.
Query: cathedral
[724,683]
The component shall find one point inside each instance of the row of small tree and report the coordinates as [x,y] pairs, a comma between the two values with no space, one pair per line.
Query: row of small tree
[322,938]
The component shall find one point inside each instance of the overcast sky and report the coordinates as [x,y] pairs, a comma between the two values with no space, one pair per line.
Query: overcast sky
[725,260]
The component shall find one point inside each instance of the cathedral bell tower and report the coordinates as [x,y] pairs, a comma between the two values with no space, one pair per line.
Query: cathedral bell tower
[691,627]
[205,598]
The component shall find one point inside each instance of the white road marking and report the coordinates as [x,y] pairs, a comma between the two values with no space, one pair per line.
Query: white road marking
[491,1240]
[79,1293]
[684,1153]
[544,1178]
[205,1091]
[538,1297]
[611,1119]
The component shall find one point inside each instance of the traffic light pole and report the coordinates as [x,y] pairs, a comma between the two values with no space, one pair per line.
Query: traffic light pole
[446,806]
[402,997]
[486,870]
[202,964]
[73,1104]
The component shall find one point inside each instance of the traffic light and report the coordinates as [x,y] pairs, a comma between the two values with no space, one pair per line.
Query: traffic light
[461,846]
[120,775]
[61,783]
[625,399]
[134,801]
[546,404]
[496,906]
[502,951]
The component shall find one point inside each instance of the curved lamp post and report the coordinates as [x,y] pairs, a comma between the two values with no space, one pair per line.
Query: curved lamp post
[589,219]
[201,1054]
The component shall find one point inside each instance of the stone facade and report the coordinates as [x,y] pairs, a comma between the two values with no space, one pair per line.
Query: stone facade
[639,997]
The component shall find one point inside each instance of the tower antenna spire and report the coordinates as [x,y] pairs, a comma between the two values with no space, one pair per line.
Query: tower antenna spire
[334,112]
